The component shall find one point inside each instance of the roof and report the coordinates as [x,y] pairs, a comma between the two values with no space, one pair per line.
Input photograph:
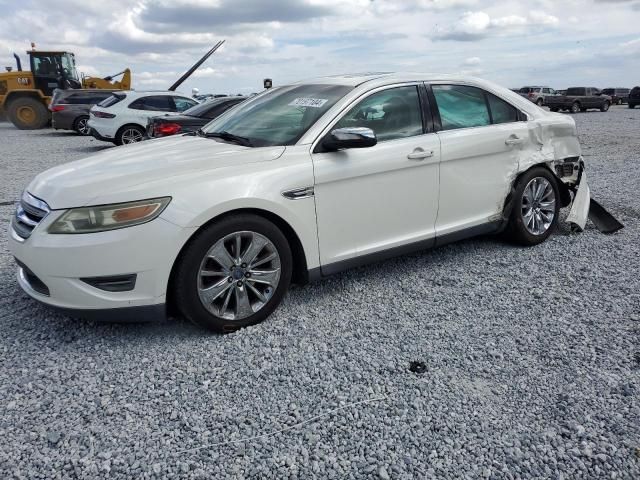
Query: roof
[381,78]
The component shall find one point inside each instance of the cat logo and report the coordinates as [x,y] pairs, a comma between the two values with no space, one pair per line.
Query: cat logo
[23,81]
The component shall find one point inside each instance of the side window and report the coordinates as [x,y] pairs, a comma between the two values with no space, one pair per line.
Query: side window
[137,104]
[501,111]
[546,90]
[182,103]
[461,106]
[391,114]
[159,103]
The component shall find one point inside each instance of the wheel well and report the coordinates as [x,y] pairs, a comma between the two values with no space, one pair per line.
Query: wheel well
[129,125]
[565,194]
[300,274]
[77,119]
[11,97]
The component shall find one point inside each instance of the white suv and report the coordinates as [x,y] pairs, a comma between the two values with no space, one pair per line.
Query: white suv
[122,117]
[299,182]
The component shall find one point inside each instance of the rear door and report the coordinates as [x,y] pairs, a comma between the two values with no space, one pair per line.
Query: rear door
[481,136]
[145,107]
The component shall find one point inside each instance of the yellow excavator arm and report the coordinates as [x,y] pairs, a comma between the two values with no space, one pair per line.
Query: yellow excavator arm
[109,83]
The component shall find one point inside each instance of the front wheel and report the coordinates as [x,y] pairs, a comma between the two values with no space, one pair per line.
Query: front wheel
[555,109]
[632,105]
[575,107]
[604,107]
[233,274]
[28,113]
[536,207]
[540,102]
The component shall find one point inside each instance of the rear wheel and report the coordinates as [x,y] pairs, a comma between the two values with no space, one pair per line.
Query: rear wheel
[632,105]
[555,109]
[536,206]
[540,102]
[129,134]
[575,107]
[27,113]
[233,274]
[80,125]
[605,107]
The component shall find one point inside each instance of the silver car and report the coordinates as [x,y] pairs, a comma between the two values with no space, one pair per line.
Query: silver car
[537,94]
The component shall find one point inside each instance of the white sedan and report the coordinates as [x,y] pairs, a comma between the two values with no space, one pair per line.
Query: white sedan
[122,118]
[297,183]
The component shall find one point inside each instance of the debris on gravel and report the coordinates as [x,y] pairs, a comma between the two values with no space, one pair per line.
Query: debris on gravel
[531,354]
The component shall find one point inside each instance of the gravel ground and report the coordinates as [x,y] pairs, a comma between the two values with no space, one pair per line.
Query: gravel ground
[532,360]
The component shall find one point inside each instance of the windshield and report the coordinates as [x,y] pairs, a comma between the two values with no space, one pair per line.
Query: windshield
[280,116]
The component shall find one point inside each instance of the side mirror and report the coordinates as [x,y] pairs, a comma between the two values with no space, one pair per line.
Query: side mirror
[350,137]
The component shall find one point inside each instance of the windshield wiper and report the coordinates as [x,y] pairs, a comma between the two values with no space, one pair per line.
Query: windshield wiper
[229,137]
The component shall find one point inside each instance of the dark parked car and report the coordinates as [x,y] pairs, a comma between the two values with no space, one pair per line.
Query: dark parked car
[634,97]
[70,108]
[192,119]
[579,99]
[618,95]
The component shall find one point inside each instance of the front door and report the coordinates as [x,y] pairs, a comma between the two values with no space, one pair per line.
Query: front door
[371,200]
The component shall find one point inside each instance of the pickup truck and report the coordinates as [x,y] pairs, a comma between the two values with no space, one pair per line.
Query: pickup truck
[579,99]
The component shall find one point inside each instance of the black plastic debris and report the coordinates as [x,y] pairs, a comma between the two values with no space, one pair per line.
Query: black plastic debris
[417,367]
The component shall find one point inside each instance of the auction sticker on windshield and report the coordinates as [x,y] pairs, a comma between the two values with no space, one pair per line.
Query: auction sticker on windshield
[308,102]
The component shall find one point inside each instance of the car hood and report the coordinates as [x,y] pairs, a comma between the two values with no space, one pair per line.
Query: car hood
[81,182]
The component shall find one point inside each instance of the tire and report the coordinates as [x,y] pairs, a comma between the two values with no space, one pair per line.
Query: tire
[129,134]
[605,106]
[27,113]
[632,106]
[81,127]
[619,102]
[522,227]
[540,102]
[575,107]
[555,109]
[224,313]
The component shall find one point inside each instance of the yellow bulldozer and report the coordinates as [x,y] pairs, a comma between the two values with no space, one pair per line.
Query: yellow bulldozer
[25,95]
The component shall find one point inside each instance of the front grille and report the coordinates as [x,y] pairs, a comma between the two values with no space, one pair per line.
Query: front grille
[29,213]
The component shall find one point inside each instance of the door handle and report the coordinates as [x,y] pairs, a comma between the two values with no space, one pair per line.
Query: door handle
[420,154]
[513,140]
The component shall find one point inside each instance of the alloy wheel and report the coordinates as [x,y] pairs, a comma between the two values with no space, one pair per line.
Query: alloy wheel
[239,275]
[131,135]
[82,126]
[538,206]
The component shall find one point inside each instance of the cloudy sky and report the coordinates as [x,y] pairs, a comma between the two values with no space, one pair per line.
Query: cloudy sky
[513,42]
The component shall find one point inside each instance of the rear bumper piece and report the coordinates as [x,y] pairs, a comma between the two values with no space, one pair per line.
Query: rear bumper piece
[97,136]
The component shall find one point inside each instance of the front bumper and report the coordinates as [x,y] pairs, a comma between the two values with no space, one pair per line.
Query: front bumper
[59,262]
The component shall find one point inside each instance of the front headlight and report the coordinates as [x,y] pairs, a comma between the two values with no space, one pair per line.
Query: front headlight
[109,217]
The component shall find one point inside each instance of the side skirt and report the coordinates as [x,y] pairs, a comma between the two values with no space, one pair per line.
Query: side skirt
[333,268]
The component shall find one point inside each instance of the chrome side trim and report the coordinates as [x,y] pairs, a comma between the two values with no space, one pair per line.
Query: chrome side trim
[298,193]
